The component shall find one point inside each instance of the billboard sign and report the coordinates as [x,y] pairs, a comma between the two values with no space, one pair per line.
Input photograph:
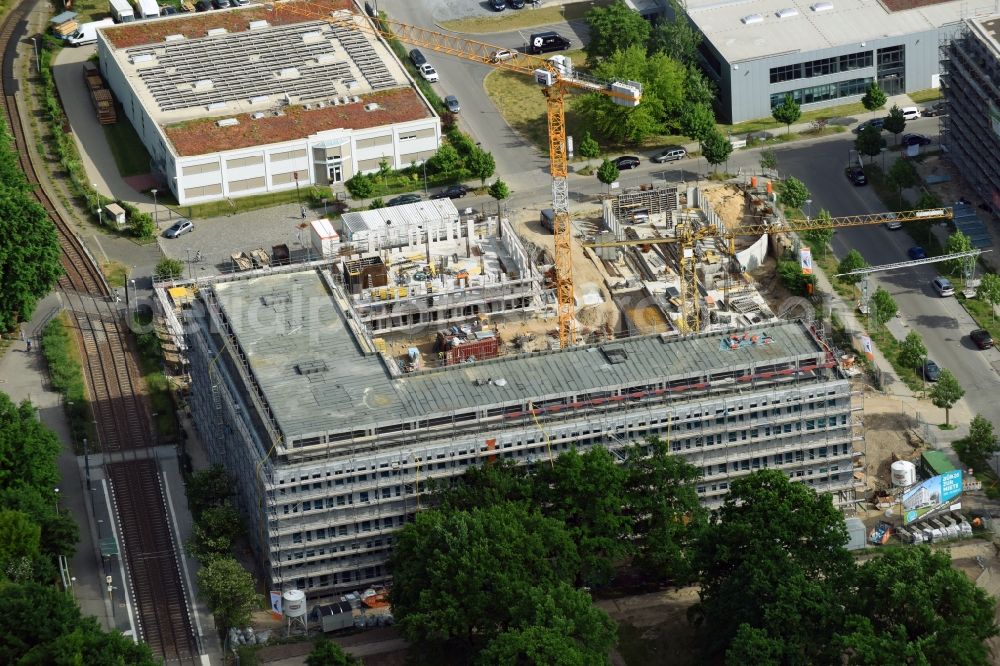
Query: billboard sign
[931,495]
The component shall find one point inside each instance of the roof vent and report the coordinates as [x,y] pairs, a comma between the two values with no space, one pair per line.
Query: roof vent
[787,12]
[144,57]
[324,58]
[315,36]
[228,122]
[615,354]
[355,99]
[173,38]
[288,73]
[257,115]
[204,84]
[306,368]
[260,99]
[257,25]
[216,31]
[821,7]
[275,298]
[750,19]
[371,107]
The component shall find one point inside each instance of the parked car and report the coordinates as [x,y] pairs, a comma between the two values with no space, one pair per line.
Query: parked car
[501,55]
[874,122]
[982,338]
[935,110]
[179,228]
[168,10]
[546,42]
[670,154]
[910,112]
[943,286]
[856,175]
[892,221]
[626,162]
[451,103]
[451,192]
[403,199]
[201,6]
[498,5]
[916,252]
[930,370]
[429,73]
[915,140]
[516,4]
[417,58]
[220,4]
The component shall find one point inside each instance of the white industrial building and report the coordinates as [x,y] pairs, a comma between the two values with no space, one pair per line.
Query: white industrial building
[331,442]
[397,226]
[247,101]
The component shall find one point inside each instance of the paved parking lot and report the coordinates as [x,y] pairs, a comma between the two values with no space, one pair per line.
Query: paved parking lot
[447,10]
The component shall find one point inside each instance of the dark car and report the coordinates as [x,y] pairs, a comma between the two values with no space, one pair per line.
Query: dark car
[874,122]
[516,4]
[931,111]
[168,11]
[856,175]
[220,4]
[982,338]
[201,6]
[498,5]
[403,199]
[417,58]
[915,140]
[451,192]
[179,228]
[546,42]
[930,371]
[669,154]
[626,162]
[916,252]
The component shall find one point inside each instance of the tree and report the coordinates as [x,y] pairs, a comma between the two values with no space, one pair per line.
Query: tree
[20,541]
[445,160]
[360,185]
[773,558]
[663,96]
[614,28]
[462,578]
[981,442]
[480,164]
[791,276]
[874,98]
[895,122]
[169,269]
[667,515]
[28,449]
[229,590]
[946,392]
[215,531]
[328,653]
[698,88]
[869,141]
[697,122]
[675,36]
[793,193]
[716,148]
[607,173]
[586,492]
[588,147]
[29,250]
[768,160]
[959,242]
[787,112]
[903,174]
[989,292]
[852,261]
[141,225]
[208,488]
[912,351]
[376,203]
[910,606]
[819,239]
[883,306]
[499,191]
[487,485]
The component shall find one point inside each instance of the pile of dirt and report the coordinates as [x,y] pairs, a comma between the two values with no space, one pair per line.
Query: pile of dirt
[727,201]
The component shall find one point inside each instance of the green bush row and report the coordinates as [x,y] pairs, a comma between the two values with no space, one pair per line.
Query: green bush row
[66,375]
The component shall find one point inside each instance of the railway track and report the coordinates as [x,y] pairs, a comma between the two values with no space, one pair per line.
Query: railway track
[120,412]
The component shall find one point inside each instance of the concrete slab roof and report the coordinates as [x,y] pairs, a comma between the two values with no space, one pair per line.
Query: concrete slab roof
[989,31]
[316,378]
[743,30]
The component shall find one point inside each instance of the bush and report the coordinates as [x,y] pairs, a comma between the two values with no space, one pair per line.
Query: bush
[360,185]
[169,269]
[66,375]
[790,274]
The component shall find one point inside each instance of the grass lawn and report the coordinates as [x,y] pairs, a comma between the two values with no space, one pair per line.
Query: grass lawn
[924,96]
[980,311]
[522,18]
[853,109]
[240,205]
[114,272]
[129,153]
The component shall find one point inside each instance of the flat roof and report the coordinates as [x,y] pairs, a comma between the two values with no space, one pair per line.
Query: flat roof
[989,32]
[775,27]
[317,379]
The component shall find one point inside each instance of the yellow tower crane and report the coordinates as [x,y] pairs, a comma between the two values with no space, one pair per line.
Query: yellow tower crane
[555,82]
[687,235]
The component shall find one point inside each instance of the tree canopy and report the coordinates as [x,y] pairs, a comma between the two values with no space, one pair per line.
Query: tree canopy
[229,590]
[912,351]
[959,242]
[328,653]
[869,141]
[989,291]
[895,122]
[883,306]
[874,98]
[793,193]
[946,392]
[675,36]
[697,122]
[716,148]
[903,174]
[607,173]
[852,261]
[787,112]
[588,146]
[614,28]
[481,164]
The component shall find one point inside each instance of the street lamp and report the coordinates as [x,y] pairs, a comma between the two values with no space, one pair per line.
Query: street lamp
[883,151]
[188,250]
[425,176]
[38,64]
[100,215]
[97,196]
[156,210]
[56,490]
[298,198]
[809,209]
[134,295]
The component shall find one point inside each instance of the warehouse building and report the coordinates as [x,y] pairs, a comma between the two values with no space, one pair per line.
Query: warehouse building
[247,101]
[331,443]
[971,128]
[822,52]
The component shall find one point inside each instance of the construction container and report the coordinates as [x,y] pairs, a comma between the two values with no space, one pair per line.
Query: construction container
[933,463]
[336,616]
[104,104]
[280,255]
[478,350]
[114,215]
[325,240]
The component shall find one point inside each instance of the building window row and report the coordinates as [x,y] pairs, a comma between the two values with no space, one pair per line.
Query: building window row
[824,92]
[822,67]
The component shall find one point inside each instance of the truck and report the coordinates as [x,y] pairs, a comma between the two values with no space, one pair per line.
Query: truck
[148,8]
[86,33]
[121,11]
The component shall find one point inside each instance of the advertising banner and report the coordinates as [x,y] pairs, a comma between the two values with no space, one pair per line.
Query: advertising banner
[937,492]
[276,603]
[866,344]
[806,259]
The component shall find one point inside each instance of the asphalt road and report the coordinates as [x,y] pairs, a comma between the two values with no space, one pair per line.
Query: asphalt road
[941,322]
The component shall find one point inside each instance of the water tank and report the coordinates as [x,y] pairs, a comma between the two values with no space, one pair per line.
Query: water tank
[294,603]
[904,473]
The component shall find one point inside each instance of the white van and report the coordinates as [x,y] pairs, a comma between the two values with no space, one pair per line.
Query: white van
[148,8]
[87,32]
[121,11]
[910,112]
